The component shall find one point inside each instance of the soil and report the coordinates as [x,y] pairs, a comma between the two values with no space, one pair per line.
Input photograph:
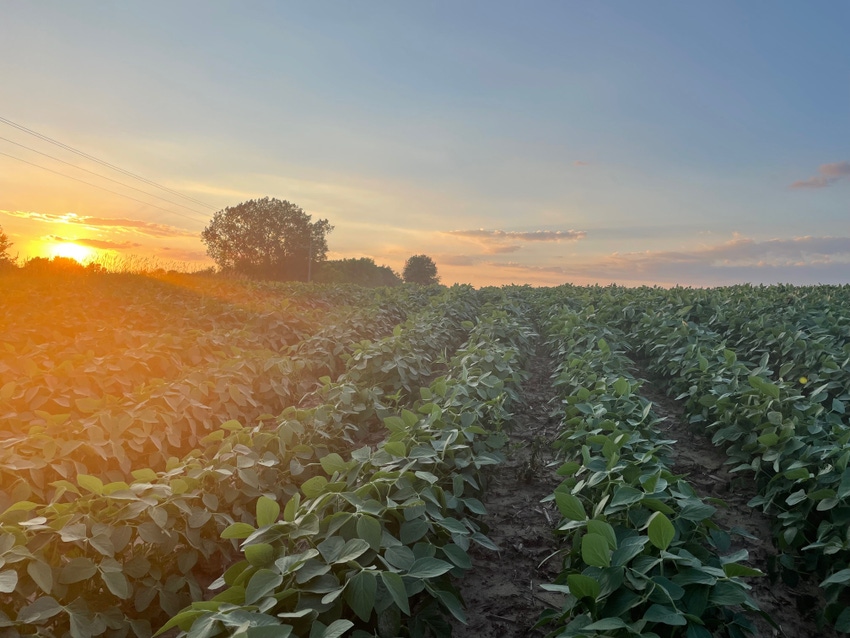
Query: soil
[502,592]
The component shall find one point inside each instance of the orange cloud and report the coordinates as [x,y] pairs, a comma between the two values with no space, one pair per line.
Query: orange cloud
[121,225]
[102,244]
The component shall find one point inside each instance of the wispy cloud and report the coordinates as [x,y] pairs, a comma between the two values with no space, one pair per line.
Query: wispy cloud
[828,175]
[137,226]
[180,254]
[102,244]
[496,242]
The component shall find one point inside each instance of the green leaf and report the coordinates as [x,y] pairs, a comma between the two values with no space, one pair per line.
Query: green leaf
[259,554]
[238,530]
[360,594]
[660,531]
[90,483]
[734,569]
[457,555]
[314,487]
[665,615]
[764,386]
[352,549]
[117,583]
[262,584]
[582,586]
[267,511]
[395,585]
[412,531]
[621,387]
[595,550]
[841,577]
[78,569]
[370,530]
[427,567]
[333,462]
[400,557]
[39,611]
[396,448]
[595,526]
[8,581]
[605,624]
[570,506]
[41,574]
[626,495]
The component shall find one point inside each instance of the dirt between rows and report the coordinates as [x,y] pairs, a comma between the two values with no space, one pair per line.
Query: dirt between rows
[502,591]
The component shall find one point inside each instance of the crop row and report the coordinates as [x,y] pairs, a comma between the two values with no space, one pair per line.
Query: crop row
[111,435]
[377,536]
[98,553]
[795,446]
[643,555]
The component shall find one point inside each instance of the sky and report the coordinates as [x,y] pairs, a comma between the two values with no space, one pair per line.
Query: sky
[545,142]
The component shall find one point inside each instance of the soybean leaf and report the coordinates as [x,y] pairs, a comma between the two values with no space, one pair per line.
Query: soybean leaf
[395,585]
[360,594]
[660,531]
[267,511]
[595,551]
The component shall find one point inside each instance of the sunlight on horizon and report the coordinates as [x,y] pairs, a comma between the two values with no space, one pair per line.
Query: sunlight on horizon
[74,251]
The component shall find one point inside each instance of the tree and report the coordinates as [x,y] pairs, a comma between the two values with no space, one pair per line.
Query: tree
[266,239]
[363,272]
[420,269]
[6,260]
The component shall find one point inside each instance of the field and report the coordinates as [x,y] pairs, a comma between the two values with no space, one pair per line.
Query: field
[203,457]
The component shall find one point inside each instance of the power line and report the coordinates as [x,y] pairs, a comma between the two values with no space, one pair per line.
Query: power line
[29,131]
[102,176]
[82,181]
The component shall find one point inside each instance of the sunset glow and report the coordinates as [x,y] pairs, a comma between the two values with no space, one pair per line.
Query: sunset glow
[74,251]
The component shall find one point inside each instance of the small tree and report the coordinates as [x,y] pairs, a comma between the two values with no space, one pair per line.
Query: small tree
[420,269]
[266,239]
[6,260]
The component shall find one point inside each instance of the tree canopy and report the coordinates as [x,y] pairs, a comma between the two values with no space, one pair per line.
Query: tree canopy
[420,269]
[266,239]
[363,271]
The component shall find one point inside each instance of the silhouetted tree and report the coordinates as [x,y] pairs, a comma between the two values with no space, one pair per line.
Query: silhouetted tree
[6,260]
[363,271]
[266,239]
[420,269]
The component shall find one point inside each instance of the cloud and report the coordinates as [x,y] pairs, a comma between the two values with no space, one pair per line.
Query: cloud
[494,241]
[102,244]
[137,226]
[802,260]
[799,260]
[829,174]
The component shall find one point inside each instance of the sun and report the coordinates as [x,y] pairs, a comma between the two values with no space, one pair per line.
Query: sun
[72,250]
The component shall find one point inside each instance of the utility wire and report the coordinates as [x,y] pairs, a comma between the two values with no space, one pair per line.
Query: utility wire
[115,181]
[29,131]
[82,181]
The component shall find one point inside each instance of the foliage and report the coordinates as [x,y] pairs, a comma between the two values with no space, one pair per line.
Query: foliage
[362,271]
[420,269]
[6,260]
[44,267]
[644,556]
[266,239]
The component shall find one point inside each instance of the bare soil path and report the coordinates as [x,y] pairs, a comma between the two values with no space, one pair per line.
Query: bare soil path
[502,591]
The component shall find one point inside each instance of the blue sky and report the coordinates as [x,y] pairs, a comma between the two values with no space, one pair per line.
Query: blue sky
[542,142]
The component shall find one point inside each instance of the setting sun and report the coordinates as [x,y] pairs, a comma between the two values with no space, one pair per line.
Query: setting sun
[74,251]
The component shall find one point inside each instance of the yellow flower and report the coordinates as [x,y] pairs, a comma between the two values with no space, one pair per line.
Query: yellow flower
[804,380]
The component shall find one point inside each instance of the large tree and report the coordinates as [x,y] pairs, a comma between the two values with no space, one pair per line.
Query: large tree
[420,269]
[266,239]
